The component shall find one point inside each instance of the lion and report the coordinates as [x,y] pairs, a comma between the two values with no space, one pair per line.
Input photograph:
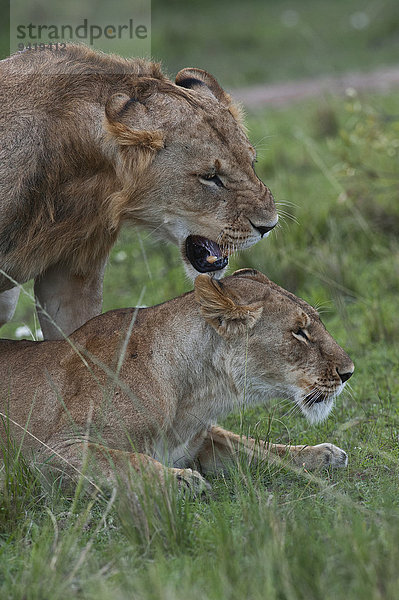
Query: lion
[90,141]
[144,388]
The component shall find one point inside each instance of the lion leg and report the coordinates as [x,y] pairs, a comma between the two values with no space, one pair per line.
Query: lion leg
[8,303]
[113,466]
[68,300]
[221,448]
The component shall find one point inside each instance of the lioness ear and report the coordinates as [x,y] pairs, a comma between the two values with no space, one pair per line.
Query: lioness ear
[252,274]
[221,309]
[191,78]
[120,107]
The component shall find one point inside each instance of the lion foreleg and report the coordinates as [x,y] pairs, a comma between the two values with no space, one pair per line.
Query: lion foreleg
[65,301]
[221,449]
[99,464]
[8,303]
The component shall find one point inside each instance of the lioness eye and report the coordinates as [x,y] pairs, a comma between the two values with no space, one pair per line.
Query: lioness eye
[211,179]
[301,334]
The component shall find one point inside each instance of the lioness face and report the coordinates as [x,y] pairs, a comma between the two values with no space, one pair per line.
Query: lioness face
[200,189]
[300,356]
[278,343]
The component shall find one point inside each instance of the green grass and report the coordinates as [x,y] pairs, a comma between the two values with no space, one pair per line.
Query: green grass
[264,40]
[248,42]
[264,532]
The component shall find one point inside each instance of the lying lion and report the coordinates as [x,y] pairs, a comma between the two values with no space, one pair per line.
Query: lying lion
[90,141]
[152,396]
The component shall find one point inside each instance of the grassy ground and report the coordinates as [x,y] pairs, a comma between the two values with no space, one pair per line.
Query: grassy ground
[264,533]
[258,40]
[262,40]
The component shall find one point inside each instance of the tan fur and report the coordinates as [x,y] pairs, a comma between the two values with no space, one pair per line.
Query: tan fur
[104,140]
[186,363]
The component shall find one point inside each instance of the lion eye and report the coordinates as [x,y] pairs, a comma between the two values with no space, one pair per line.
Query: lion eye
[211,180]
[301,334]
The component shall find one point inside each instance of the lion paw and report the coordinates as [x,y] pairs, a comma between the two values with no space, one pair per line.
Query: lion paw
[331,456]
[192,482]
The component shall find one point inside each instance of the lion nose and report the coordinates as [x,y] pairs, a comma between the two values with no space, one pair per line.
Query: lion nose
[345,376]
[263,229]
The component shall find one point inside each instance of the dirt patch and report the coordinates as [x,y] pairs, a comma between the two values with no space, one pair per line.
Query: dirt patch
[281,94]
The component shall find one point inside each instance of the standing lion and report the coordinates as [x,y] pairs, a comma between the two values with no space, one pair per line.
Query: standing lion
[89,141]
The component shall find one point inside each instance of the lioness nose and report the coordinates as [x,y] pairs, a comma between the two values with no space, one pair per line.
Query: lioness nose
[345,376]
[262,230]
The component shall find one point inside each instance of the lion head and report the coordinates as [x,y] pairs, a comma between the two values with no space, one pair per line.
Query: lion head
[187,168]
[275,343]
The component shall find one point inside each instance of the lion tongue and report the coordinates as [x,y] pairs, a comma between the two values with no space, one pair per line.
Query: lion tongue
[212,259]
[204,254]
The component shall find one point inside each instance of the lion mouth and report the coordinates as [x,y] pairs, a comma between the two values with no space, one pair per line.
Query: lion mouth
[315,397]
[205,255]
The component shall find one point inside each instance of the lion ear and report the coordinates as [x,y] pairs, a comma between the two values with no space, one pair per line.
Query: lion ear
[197,79]
[252,274]
[118,109]
[221,309]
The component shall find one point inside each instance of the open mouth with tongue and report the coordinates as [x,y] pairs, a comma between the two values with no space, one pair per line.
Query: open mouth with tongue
[205,255]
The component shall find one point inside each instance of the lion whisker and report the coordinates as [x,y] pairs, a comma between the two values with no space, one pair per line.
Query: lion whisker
[287,203]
